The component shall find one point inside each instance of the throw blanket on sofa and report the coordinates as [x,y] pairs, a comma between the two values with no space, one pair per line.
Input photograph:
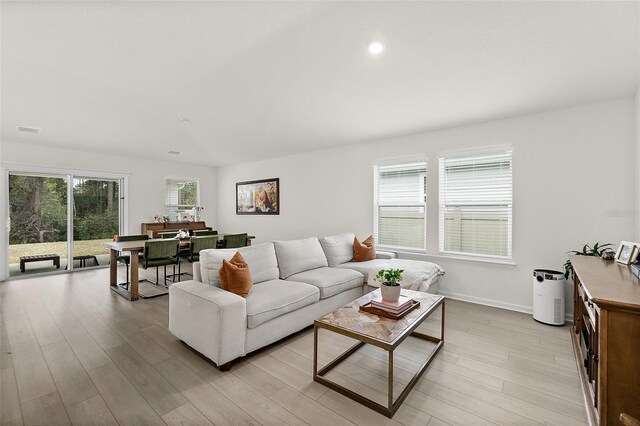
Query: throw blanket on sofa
[415,272]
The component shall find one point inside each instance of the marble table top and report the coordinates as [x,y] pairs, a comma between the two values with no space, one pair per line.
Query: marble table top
[386,330]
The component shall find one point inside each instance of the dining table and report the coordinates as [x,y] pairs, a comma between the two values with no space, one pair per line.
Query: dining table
[134,248]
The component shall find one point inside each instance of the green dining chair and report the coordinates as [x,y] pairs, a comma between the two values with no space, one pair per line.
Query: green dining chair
[167,235]
[197,244]
[125,258]
[235,240]
[161,253]
[204,232]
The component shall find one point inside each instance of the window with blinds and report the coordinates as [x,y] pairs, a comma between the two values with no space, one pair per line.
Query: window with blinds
[182,199]
[400,198]
[476,203]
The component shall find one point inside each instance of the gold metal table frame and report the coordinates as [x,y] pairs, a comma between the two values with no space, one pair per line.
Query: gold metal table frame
[392,406]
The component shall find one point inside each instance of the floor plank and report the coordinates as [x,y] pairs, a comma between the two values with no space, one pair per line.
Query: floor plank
[354,412]
[152,386]
[122,398]
[86,349]
[186,415]
[257,378]
[10,411]
[307,409]
[523,407]
[176,348]
[257,405]
[91,412]
[46,410]
[214,405]
[442,410]
[72,380]
[299,381]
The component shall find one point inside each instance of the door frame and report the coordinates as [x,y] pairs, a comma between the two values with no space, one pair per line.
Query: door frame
[8,168]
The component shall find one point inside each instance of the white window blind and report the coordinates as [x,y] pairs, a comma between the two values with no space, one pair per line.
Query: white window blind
[476,203]
[182,199]
[399,210]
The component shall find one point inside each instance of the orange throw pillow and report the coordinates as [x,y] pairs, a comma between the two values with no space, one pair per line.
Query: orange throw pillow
[363,251]
[235,276]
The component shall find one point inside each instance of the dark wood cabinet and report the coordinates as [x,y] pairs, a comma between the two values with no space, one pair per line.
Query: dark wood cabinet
[154,229]
[606,338]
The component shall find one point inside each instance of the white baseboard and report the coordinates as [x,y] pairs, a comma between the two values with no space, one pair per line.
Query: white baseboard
[496,303]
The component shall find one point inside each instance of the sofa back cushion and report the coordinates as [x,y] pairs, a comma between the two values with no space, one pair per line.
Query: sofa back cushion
[338,248]
[262,261]
[299,255]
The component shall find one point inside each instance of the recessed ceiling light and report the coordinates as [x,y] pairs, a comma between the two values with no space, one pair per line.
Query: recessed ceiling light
[173,152]
[28,129]
[376,47]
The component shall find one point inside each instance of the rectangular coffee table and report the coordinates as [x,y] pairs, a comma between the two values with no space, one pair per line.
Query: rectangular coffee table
[381,332]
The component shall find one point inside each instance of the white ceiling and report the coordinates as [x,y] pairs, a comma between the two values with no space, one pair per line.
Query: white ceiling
[265,79]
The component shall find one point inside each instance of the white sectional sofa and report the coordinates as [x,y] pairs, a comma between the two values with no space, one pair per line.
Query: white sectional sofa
[294,282]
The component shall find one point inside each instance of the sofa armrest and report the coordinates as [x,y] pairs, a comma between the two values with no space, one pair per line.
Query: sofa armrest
[197,276]
[211,320]
[386,255]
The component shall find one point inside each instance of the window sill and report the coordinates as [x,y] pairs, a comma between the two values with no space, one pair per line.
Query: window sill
[471,259]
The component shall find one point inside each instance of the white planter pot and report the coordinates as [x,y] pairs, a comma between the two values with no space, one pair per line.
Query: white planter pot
[390,293]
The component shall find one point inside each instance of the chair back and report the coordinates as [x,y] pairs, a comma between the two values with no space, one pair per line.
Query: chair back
[121,238]
[167,235]
[204,232]
[161,250]
[197,244]
[235,240]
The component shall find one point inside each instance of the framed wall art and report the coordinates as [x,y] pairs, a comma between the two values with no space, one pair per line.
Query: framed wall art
[258,197]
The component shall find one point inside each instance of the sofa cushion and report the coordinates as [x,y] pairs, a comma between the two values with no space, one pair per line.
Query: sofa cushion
[273,298]
[235,276]
[299,255]
[363,251]
[338,248]
[363,267]
[261,259]
[330,281]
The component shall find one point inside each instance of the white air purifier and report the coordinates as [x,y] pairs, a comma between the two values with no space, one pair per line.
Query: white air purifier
[548,296]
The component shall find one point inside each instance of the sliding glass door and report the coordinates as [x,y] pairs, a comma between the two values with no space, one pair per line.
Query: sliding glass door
[61,222]
[39,224]
[95,220]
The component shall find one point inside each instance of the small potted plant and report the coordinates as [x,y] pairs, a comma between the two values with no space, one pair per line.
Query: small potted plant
[389,280]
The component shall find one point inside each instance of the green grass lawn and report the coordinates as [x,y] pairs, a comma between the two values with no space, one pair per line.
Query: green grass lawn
[90,247]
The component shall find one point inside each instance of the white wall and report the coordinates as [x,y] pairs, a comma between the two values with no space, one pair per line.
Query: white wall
[573,181]
[637,169]
[147,191]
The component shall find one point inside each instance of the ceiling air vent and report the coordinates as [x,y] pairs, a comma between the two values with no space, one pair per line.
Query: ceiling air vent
[28,129]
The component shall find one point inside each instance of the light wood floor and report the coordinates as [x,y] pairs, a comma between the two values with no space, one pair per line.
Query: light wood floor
[73,352]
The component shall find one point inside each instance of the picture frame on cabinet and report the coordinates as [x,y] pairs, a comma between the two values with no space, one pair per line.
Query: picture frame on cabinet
[627,252]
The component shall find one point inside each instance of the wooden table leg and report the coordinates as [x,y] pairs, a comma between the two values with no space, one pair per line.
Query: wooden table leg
[133,288]
[113,268]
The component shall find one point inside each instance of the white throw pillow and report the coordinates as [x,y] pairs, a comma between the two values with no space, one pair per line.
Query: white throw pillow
[210,264]
[338,248]
[299,255]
